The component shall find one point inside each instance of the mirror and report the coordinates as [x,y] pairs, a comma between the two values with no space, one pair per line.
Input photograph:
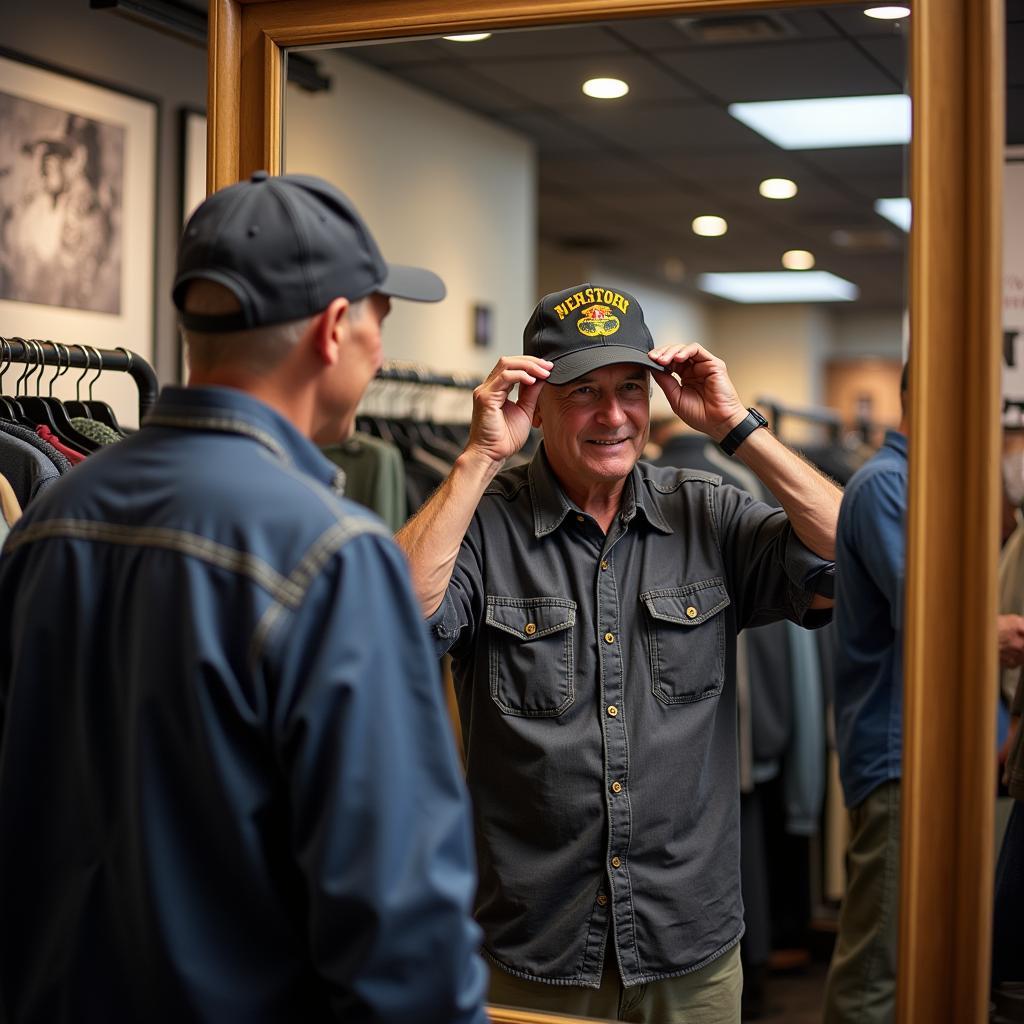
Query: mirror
[957,86]
[484,158]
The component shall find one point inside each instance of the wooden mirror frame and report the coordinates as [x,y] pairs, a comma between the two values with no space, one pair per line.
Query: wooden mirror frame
[957,88]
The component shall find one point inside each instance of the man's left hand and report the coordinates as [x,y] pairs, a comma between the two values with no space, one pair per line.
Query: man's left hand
[703,397]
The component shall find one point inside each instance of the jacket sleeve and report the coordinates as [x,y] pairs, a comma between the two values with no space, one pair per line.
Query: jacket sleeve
[380,826]
[771,574]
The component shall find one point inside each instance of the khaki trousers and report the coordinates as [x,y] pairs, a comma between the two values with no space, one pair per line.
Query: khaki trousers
[861,985]
[710,995]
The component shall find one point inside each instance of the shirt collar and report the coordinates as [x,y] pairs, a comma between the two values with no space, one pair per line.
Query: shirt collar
[230,411]
[897,441]
[551,504]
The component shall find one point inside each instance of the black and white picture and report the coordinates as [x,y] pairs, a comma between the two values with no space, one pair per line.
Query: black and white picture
[61,207]
[78,178]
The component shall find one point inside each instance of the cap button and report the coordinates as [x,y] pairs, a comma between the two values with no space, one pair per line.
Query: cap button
[259,176]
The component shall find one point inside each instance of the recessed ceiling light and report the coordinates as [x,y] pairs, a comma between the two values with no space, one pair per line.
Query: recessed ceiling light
[797,259]
[777,188]
[710,227]
[829,123]
[888,13]
[605,88]
[895,210]
[469,37]
[779,286]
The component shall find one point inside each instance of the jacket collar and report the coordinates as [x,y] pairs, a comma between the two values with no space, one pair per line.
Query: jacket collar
[896,441]
[230,411]
[551,504]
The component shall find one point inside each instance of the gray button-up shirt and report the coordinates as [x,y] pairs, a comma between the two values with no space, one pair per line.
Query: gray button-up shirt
[596,683]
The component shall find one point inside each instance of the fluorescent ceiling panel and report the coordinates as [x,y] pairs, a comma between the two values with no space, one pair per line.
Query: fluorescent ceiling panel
[829,123]
[779,286]
[895,210]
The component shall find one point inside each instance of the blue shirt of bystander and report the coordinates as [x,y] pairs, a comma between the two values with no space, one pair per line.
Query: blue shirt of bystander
[870,559]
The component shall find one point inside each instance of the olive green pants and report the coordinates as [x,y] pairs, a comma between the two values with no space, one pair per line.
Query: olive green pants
[708,996]
[861,986]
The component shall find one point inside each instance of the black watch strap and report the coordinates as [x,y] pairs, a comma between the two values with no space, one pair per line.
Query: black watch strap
[742,431]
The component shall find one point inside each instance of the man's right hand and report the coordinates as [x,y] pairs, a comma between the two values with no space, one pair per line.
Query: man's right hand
[500,426]
[1011,640]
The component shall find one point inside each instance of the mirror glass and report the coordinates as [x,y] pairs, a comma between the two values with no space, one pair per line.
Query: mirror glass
[741,215]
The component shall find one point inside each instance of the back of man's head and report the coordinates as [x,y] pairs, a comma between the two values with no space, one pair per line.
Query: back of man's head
[274,252]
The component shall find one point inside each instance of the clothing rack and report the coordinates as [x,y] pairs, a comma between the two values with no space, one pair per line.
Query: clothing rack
[414,373]
[827,418]
[86,357]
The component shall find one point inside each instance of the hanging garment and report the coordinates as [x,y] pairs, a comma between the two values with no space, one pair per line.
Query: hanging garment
[30,437]
[51,438]
[25,467]
[374,476]
[95,431]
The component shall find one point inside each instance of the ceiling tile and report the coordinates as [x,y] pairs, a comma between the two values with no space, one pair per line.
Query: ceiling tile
[558,41]
[781,71]
[667,128]
[551,133]
[557,81]
[462,85]
[891,53]
[389,54]
[600,174]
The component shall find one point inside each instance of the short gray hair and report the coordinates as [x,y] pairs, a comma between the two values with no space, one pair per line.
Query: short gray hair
[257,350]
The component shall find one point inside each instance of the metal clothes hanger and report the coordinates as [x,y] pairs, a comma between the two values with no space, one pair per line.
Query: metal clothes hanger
[9,408]
[66,431]
[77,407]
[100,411]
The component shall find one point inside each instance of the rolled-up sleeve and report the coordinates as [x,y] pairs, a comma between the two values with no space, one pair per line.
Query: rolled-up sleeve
[455,622]
[771,572]
[380,818]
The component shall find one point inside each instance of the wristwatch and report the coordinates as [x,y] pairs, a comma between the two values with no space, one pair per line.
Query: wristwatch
[742,431]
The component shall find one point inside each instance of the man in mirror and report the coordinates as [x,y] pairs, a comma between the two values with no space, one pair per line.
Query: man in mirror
[591,604]
[228,790]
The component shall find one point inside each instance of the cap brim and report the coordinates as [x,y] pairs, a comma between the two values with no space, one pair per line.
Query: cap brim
[575,364]
[412,283]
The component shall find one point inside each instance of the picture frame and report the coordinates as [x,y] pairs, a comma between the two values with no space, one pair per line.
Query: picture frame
[78,212]
[193,186]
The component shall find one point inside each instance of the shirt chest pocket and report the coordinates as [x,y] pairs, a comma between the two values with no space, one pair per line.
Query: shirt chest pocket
[686,640]
[530,654]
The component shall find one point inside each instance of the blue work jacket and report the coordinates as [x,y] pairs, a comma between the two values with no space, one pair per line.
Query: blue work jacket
[228,790]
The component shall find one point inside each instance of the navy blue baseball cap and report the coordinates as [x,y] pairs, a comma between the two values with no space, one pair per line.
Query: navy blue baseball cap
[286,246]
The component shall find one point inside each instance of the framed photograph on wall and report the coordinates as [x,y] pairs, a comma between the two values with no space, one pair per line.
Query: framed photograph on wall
[78,167]
[193,185]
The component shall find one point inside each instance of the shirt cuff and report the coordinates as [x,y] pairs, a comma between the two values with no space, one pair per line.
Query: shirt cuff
[443,625]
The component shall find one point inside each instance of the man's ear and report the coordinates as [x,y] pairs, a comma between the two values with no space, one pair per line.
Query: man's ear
[536,415]
[329,329]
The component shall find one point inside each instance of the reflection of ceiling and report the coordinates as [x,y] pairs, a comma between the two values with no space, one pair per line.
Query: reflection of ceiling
[625,178]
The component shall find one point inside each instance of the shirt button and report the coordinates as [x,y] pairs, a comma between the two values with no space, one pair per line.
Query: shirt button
[691,612]
[612,710]
[616,787]
[581,519]
[616,863]
[604,563]
[530,628]
[609,638]
[602,900]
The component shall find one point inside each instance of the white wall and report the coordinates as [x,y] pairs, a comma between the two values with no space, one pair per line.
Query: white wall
[774,351]
[440,187]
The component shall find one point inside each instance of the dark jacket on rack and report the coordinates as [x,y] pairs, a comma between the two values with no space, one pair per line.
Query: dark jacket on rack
[217,800]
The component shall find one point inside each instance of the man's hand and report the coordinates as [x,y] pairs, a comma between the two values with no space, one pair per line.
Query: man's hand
[1011,640]
[703,397]
[500,426]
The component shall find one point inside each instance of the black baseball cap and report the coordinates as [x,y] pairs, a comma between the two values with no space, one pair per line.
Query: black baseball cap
[586,327]
[285,247]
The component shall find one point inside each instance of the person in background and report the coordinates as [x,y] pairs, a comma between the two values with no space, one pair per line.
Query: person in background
[591,604]
[228,788]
